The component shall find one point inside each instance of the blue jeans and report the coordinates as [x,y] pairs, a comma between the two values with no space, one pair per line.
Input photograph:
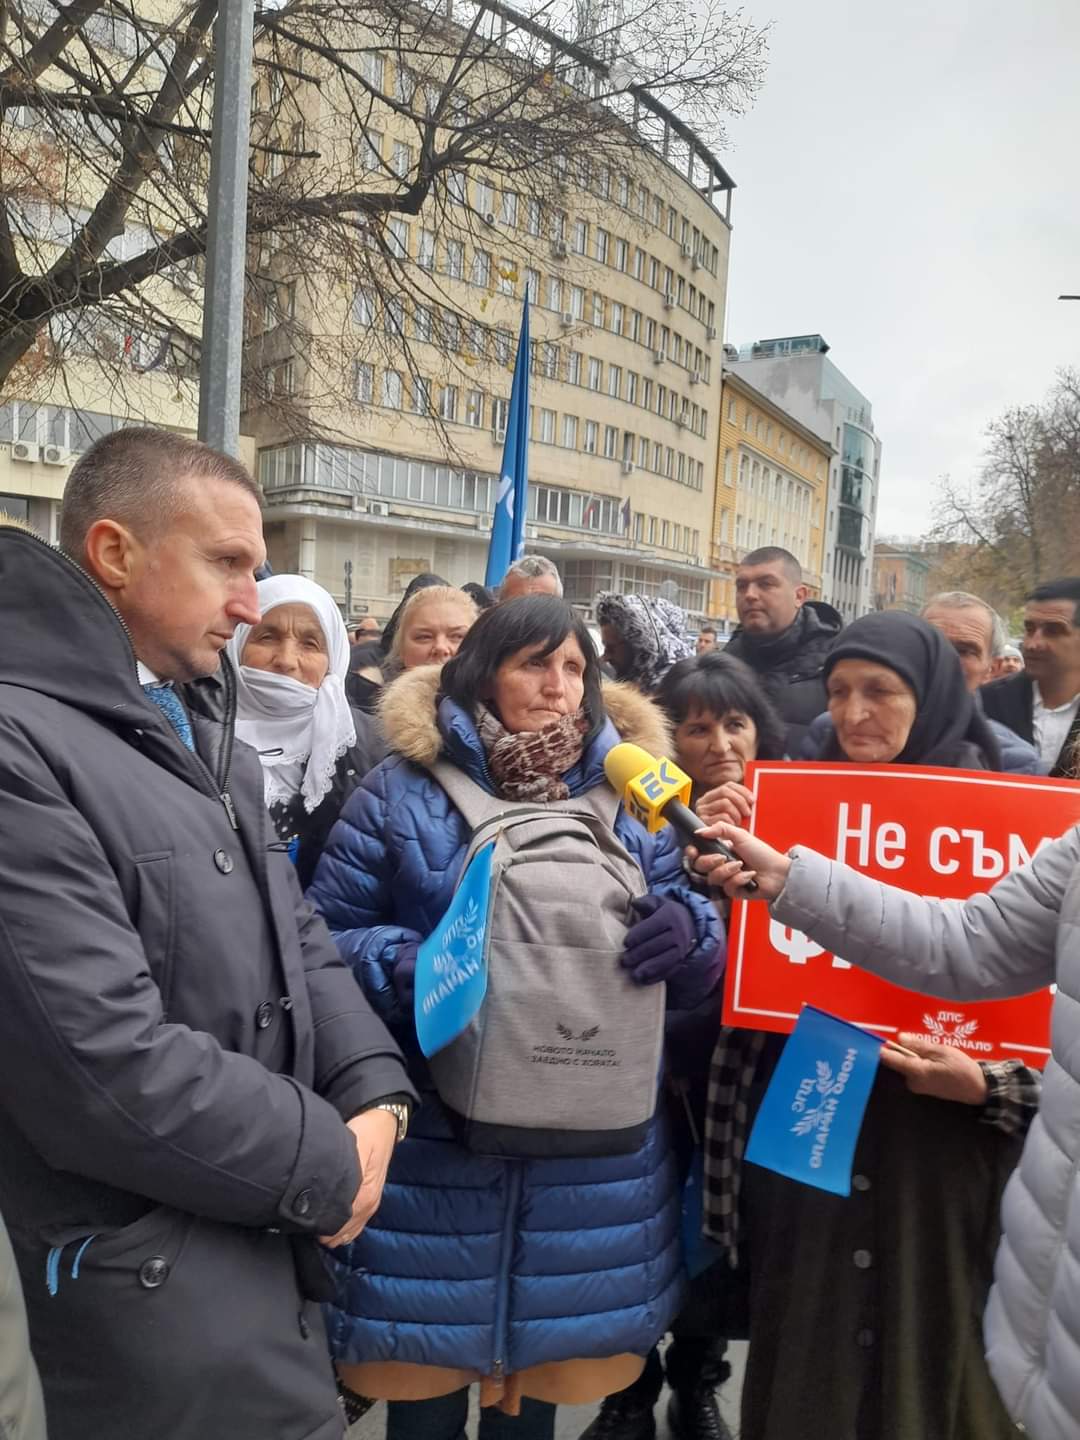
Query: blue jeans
[445,1418]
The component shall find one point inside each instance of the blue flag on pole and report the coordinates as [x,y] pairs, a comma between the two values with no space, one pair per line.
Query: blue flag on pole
[810,1117]
[512,502]
[451,971]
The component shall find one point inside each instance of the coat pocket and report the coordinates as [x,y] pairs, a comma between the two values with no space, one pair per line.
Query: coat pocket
[154,917]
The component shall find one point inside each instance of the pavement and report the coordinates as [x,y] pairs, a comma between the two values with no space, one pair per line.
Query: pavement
[571,1420]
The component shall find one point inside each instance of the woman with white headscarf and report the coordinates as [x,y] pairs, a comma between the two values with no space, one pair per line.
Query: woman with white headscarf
[292,708]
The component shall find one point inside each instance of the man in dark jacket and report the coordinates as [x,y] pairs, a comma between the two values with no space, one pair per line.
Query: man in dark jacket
[783,636]
[1042,703]
[192,1087]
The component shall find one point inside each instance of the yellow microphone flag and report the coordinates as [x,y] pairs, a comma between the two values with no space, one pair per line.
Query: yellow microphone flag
[645,783]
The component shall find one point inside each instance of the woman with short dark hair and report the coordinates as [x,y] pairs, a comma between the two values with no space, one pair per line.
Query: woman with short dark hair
[545,1279]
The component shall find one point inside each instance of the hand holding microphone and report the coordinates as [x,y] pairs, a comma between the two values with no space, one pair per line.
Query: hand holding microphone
[656,793]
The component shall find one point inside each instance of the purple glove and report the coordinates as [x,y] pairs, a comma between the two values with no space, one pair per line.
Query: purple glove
[404,975]
[658,945]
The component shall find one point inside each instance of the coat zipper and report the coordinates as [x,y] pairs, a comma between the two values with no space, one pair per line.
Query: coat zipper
[506,1259]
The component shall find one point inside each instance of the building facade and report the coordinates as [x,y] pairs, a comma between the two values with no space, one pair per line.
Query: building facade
[796,374]
[901,577]
[626,273]
[772,487]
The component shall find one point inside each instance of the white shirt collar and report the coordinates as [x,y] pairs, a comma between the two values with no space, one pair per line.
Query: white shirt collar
[146,675]
[1040,703]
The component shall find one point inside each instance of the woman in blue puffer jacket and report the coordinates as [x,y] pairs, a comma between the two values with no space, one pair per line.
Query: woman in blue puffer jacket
[547,1280]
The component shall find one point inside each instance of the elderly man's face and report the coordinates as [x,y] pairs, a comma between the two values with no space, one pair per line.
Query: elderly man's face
[182,593]
[514,586]
[970,632]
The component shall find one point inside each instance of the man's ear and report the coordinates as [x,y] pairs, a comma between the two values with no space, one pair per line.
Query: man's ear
[111,554]
[802,594]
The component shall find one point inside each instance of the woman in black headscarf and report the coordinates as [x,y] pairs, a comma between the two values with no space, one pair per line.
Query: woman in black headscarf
[865,1311]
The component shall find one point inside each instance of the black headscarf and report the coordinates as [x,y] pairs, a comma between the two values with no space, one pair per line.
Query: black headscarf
[418,582]
[949,728]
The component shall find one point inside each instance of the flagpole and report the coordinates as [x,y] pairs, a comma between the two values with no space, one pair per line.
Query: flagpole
[512,497]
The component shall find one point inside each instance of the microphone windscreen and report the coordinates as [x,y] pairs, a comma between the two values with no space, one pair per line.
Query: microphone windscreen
[624,763]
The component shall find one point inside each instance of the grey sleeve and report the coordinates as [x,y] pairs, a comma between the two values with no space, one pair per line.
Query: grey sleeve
[989,947]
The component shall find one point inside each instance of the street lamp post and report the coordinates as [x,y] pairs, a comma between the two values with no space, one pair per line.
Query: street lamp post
[223,294]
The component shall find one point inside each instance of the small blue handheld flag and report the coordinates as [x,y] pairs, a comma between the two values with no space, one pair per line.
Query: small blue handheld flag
[811,1114]
[451,971]
[512,502]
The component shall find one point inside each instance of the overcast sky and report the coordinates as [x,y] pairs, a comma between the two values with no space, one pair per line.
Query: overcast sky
[909,186]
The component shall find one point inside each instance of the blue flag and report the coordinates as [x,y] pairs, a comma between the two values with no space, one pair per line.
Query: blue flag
[812,1112]
[451,971]
[512,502]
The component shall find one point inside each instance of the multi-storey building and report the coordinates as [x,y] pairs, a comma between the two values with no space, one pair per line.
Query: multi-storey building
[771,490]
[796,375]
[900,576]
[626,274]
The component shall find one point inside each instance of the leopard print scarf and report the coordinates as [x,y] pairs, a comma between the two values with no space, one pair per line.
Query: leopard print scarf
[531,764]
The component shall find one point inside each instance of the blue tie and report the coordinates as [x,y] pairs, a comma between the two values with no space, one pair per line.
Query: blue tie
[168,702]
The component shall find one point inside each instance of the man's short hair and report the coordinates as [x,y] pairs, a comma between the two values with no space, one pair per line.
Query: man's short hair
[964,600]
[707,630]
[533,567]
[775,555]
[136,477]
[1067,588]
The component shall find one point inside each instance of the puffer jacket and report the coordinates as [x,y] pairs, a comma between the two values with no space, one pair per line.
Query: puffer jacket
[790,665]
[475,1262]
[1023,934]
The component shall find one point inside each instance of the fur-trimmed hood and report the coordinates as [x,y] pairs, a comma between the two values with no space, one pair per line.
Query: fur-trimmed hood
[411,722]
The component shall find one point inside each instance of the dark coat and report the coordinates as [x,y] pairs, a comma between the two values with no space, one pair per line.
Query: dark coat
[1011,700]
[179,1045]
[790,666]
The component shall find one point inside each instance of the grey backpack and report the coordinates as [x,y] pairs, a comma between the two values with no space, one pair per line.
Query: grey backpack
[563,1057]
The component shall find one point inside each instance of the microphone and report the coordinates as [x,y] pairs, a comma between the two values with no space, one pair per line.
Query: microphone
[657,793]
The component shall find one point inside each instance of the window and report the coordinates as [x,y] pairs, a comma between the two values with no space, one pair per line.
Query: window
[624,191]
[603,242]
[457,187]
[547,427]
[555,294]
[603,183]
[635,325]
[628,445]
[533,217]
[650,334]
[592,435]
[423,322]
[508,207]
[643,453]
[558,227]
[485,197]
[573,368]
[665,534]
[507,276]
[404,86]
[455,259]
[748,421]
[652,529]
[646,394]
[532,284]
[611,442]
[373,69]
[425,249]
[421,403]
[614,381]
[371,150]
[402,161]
[569,432]
[577,302]
[448,402]
[504,345]
[581,237]
[450,326]
[476,340]
[731,412]
[474,409]
[661,399]
[728,468]
[598,306]
[481,268]
[622,255]
[500,412]
[398,238]
[639,264]
[391,389]
[671,219]
[363,310]
[363,382]
[669,462]
[654,271]
[549,361]
[394,316]
[631,387]
[657,457]
[639,527]
[595,371]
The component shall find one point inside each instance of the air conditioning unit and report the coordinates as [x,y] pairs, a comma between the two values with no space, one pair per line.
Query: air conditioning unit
[683,420]
[483,522]
[24,452]
[378,507]
[695,377]
[669,300]
[695,262]
[684,251]
[566,319]
[531,532]
[658,357]
[710,332]
[627,467]
[499,435]
[558,250]
[55,455]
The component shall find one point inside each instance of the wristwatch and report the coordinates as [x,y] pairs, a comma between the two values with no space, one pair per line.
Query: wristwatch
[399,1107]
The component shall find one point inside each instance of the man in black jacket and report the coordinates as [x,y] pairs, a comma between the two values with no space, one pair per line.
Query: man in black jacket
[783,636]
[1042,703]
[192,1087]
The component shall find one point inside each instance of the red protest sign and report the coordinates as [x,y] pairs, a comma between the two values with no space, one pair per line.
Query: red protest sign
[946,833]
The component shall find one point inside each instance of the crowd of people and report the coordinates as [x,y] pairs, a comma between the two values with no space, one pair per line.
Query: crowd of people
[240,1200]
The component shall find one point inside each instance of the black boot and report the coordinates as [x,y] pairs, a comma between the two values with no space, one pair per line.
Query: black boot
[628,1415]
[693,1413]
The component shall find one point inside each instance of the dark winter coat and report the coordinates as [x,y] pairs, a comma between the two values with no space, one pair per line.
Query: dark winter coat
[1011,701]
[790,665]
[179,1044]
[472,1261]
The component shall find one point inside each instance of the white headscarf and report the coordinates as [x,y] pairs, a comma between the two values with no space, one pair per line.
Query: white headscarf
[300,733]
